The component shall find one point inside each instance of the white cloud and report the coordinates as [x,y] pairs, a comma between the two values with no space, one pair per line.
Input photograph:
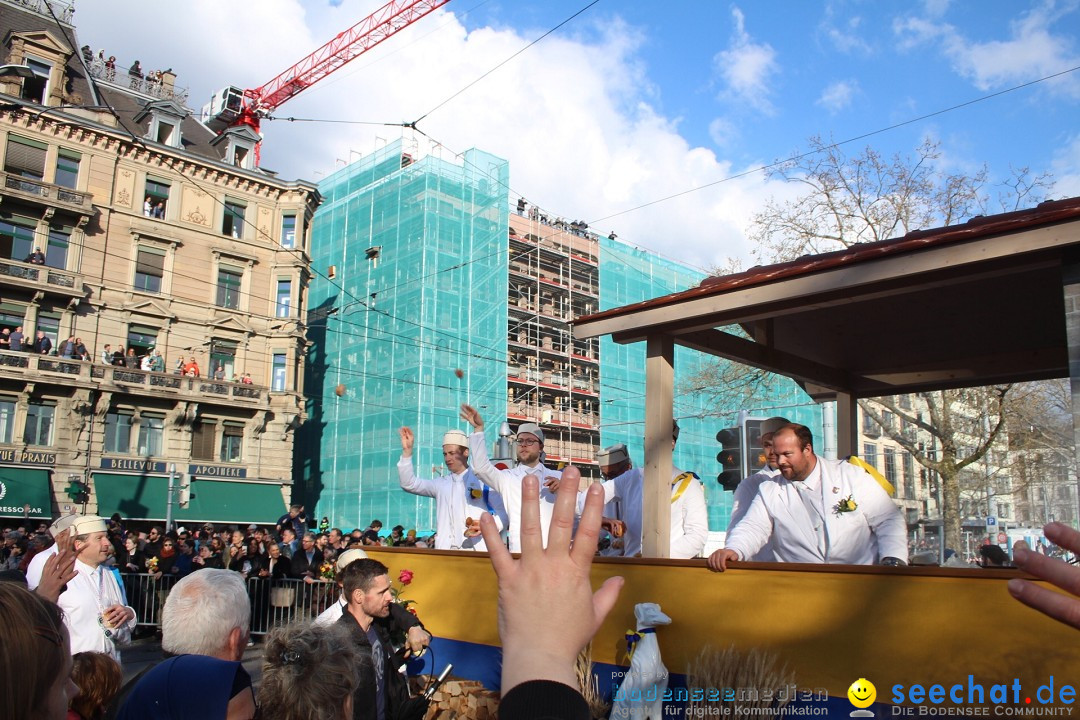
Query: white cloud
[838,95]
[573,115]
[1033,50]
[747,67]
[723,132]
[1066,169]
[845,36]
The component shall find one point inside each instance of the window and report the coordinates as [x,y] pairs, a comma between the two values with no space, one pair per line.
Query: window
[288,231]
[25,158]
[57,251]
[49,323]
[67,169]
[142,338]
[164,132]
[241,155]
[869,451]
[277,379]
[232,222]
[284,298]
[232,439]
[202,440]
[16,237]
[911,482]
[151,434]
[228,288]
[890,465]
[118,433]
[7,420]
[157,198]
[149,269]
[888,420]
[39,423]
[223,355]
[36,89]
[869,427]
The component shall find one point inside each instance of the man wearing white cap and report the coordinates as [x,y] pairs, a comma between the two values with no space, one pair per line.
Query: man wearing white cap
[689,515]
[94,610]
[37,563]
[460,497]
[747,489]
[530,447]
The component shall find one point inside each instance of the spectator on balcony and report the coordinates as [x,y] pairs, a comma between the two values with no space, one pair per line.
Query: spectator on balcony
[67,348]
[147,207]
[219,374]
[5,339]
[81,353]
[107,355]
[15,340]
[131,360]
[247,379]
[35,258]
[191,368]
[135,70]
[157,362]
[118,356]
[145,363]
[42,344]
[159,210]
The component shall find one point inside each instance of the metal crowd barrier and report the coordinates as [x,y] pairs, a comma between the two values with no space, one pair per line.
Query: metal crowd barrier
[273,602]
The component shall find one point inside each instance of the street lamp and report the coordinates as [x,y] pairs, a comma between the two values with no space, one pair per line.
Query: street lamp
[21,71]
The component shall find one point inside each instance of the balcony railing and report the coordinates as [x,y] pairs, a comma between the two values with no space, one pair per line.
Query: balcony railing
[139,83]
[42,277]
[55,196]
[27,365]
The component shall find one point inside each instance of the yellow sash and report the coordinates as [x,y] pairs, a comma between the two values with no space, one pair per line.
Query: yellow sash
[686,478]
[881,480]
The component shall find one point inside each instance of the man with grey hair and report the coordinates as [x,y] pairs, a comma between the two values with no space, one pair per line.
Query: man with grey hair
[207,613]
[460,497]
[530,451]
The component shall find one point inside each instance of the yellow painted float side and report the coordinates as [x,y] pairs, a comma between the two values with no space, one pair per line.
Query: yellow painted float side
[831,624]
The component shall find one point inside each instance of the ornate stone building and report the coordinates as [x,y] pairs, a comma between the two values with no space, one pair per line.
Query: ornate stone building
[127,224]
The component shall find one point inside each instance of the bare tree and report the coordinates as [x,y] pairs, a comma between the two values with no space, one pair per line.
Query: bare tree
[867,198]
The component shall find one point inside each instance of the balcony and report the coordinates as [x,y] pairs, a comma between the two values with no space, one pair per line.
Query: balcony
[42,277]
[55,197]
[45,368]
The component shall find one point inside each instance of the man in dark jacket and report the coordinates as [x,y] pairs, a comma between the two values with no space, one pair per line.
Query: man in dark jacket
[369,619]
[42,345]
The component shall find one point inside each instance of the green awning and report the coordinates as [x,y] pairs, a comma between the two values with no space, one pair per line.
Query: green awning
[142,497]
[26,486]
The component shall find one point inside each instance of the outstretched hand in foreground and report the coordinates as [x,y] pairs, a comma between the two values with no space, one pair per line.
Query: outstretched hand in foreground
[547,609]
[1067,577]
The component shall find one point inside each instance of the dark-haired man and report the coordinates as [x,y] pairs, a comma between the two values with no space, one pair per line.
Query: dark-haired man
[369,620]
[817,511]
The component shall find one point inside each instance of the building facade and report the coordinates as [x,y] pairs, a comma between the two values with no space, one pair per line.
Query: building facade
[127,225]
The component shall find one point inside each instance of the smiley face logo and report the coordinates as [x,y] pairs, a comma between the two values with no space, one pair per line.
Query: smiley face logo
[862,693]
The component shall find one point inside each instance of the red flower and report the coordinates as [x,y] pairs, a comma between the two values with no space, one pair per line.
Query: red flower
[405,577]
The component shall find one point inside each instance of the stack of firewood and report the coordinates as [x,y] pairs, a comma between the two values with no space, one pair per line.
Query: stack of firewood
[458,699]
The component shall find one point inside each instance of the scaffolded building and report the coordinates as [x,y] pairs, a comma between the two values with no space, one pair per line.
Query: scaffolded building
[433,269]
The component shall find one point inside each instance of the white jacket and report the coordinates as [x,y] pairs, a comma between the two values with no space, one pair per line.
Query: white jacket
[457,497]
[508,484]
[875,529]
[689,516]
[740,503]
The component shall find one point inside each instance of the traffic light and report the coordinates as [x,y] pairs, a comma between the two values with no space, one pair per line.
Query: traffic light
[755,450]
[78,491]
[730,458]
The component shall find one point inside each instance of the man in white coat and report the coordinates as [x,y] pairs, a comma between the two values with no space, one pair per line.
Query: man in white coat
[747,489]
[689,515]
[459,495]
[530,448]
[93,605]
[817,511]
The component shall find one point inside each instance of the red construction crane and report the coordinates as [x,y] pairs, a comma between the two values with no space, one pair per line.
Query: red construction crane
[231,106]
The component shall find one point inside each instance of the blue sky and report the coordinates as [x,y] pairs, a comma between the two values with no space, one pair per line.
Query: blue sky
[634,100]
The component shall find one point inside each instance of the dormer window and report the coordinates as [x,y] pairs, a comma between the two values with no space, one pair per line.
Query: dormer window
[239,143]
[165,117]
